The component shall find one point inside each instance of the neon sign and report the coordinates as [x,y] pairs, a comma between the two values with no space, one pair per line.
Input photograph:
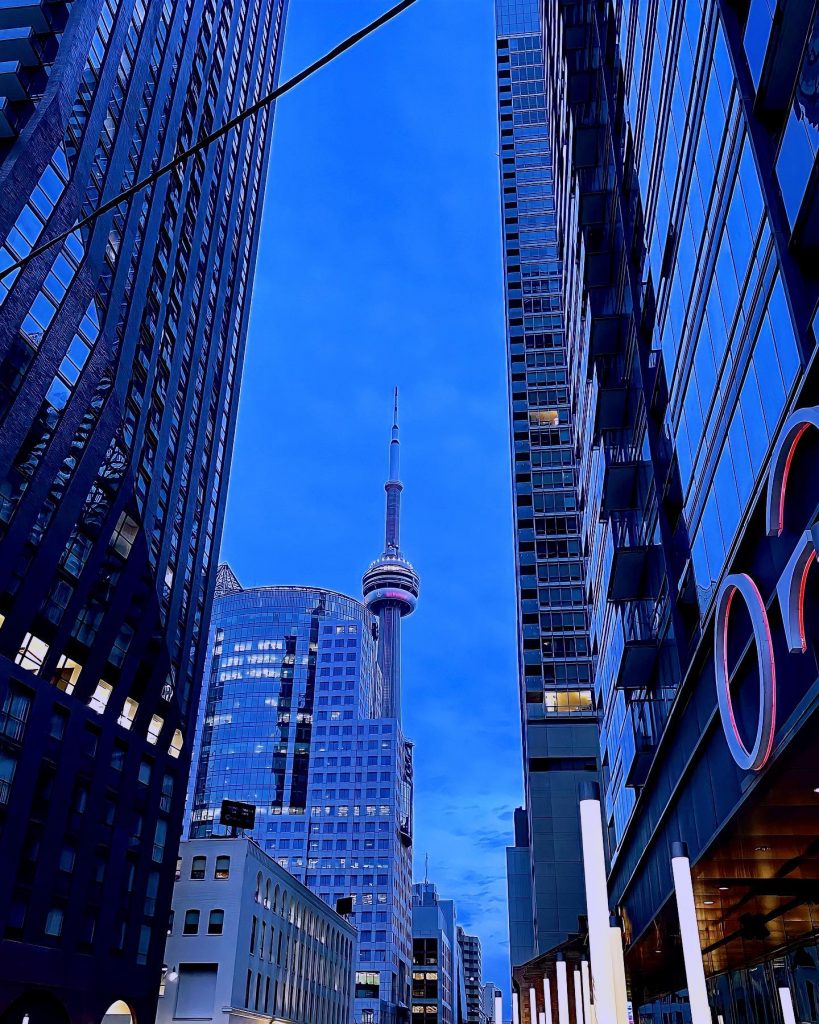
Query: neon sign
[790,592]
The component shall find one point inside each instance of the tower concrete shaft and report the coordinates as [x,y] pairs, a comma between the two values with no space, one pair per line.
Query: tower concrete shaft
[390,585]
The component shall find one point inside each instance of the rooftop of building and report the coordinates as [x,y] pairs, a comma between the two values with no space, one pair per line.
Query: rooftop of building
[242,849]
[228,585]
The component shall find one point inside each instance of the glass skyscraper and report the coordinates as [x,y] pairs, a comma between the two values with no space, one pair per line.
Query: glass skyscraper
[555,670]
[300,720]
[120,354]
[683,140]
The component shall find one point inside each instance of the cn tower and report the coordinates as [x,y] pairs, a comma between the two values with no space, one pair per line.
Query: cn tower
[391,584]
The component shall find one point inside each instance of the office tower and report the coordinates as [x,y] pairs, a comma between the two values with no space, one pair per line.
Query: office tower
[470,946]
[299,721]
[120,354]
[247,939]
[438,984]
[557,710]
[686,191]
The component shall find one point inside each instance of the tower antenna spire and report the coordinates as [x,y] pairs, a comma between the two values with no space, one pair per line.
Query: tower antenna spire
[395,444]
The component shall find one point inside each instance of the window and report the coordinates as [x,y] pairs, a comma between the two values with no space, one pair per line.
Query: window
[425,952]
[222,867]
[14,714]
[124,535]
[54,922]
[8,766]
[424,984]
[253,927]
[198,865]
[59,716]
[367,984]
[155,728]
[175,746]
[66,674]
[567,701]
[128,714]
[32,654]
[191,925]
[159,841]
[216,922]
[99,698]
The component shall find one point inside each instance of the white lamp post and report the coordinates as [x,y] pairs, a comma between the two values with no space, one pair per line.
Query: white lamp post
[515,1009]
[618,967]
[532,1005]
[578,999]
[597,903]
[547,999]
[562,990]
[498,1009]
[690,933]
[584,977]
[787,1004]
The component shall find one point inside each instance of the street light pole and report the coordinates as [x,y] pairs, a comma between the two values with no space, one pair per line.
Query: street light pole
[690,933]
[597,904]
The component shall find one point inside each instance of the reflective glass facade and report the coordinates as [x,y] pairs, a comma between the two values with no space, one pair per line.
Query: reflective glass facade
[293,722]
[120,354]
[684,141]
[557,711]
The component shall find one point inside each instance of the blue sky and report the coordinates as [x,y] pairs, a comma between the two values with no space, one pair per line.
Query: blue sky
[380,264]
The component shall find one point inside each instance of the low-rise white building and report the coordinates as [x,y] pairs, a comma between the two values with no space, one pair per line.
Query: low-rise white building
[248,942]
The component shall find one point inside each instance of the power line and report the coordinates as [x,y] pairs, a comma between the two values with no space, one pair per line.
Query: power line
[204,142]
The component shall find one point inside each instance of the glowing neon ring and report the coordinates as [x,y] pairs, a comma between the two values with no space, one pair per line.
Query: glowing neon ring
[755,758]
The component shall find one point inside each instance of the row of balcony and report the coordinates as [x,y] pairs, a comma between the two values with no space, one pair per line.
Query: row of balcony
[627,380]
[30,33]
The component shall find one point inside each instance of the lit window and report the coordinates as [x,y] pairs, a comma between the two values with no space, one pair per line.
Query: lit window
[567,701]
[175,747]
[129,710]
[66,674]
[155,728]
[99,698]
[222,867]
[124,535]
[544,417]
[32,654]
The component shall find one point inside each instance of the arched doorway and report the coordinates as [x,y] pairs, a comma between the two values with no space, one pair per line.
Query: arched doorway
[118,1013]
[35,1008]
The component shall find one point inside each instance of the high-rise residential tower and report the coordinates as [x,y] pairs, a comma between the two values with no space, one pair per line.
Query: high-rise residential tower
[473,974]
[557,710]
[684,141]
[299,722]
[438,988]
[120,354]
